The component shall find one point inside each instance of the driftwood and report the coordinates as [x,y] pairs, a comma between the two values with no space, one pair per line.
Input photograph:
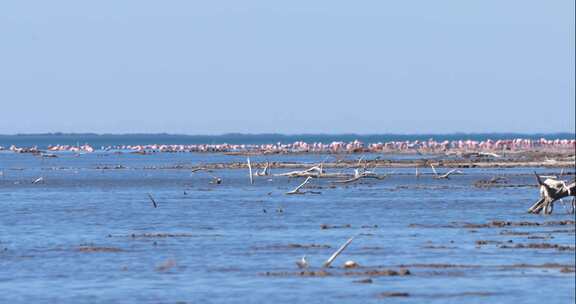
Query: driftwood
[297,189]
[250,171]
[552,190]
[359,175]
[338,252]
[480,154]
[153,201]
[265,171]
[316,171]
[445,175]
[360,172]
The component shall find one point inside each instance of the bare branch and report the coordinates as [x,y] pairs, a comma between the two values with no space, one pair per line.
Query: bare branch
[538,178]
[265,171]
[153,201]
[297,189]
[434,169]
[250,171]
[447,175]
[551,190]
[338,252]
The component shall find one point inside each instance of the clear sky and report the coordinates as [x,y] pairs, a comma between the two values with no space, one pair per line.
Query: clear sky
[210,67]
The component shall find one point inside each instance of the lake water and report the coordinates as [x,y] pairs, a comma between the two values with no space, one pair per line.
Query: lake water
[91,235]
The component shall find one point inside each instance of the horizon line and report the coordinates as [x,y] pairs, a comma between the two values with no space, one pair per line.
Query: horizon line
[285,134]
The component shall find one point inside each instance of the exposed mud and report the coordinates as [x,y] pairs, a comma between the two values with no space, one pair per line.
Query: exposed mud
[391,294]
[90,249]
[372,272]
[540,246]
[328,226]
[496,224]
[291,246]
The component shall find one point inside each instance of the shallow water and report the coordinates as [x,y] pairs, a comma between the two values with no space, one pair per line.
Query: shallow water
[91,235]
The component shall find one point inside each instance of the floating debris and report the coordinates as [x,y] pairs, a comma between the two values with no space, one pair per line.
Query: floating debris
[351,264]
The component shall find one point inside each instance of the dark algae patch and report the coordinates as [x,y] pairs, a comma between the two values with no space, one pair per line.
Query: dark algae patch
[539,246]
[339,273]
[393,294]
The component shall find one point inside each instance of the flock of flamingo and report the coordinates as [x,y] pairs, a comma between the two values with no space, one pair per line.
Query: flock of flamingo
[429,146]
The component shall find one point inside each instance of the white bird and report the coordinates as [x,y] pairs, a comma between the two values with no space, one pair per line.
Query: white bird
[303,263]
[38,180]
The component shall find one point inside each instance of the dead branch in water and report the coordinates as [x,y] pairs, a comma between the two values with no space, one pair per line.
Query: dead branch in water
[250,171]
[265,171]
[445,175]
[359,175]
[297,189]
[337,253]
[552,190]
[153,201]
[315,171]
[361,171]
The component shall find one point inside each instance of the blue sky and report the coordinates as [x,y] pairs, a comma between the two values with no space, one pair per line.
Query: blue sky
[210,67]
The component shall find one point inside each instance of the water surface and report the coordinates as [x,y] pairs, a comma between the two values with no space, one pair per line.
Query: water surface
[89,234]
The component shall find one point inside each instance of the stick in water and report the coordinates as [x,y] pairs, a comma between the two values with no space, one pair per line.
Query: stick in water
[434,169]
[297,189]
[153,201]
[338,252]
[250,171]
